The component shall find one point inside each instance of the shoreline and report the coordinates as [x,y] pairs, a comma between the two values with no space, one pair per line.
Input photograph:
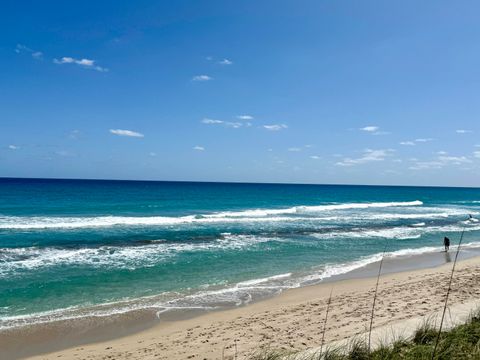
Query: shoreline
[211,331]
[273,285]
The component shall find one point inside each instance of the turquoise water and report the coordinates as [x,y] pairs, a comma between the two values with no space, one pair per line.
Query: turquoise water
[71,248]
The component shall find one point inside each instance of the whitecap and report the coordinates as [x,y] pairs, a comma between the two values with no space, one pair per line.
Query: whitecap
[255,215]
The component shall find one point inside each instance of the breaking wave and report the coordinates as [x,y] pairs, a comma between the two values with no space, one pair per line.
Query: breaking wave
[121,257]
[254,215]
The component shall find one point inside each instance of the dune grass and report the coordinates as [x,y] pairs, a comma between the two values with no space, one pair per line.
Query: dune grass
[460,342]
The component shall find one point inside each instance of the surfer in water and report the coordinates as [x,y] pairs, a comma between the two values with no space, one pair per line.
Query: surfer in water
[446,243]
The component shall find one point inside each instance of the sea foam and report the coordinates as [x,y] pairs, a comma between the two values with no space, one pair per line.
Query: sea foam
[254,215]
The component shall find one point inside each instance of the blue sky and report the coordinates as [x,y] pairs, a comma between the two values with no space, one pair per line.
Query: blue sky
[365,92]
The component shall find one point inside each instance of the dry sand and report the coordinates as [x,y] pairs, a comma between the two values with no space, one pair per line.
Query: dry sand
[294,319]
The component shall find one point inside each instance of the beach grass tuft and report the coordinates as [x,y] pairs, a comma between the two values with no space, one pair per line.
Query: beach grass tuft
[425,334]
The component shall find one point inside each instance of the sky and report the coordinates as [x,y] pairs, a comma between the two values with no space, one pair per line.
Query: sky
[344,92]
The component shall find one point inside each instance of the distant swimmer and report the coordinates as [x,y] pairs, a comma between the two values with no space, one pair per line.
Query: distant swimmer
[446,243]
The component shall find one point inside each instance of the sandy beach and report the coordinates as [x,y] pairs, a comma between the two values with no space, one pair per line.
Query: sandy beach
[294,319]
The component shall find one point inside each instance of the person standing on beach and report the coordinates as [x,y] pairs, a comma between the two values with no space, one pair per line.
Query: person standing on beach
[446,243]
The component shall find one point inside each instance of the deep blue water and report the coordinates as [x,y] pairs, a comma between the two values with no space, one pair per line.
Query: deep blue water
[72,248]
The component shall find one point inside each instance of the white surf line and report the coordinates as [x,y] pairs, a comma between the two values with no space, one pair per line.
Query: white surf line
[252,215]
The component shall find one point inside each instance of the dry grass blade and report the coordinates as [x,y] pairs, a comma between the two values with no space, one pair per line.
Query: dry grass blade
[448,290]
[325,323]
[375,296]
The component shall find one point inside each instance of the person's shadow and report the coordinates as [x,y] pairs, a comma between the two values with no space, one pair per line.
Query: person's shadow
[447,257]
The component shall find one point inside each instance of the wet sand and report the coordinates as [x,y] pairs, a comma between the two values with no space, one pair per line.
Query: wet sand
[293,320]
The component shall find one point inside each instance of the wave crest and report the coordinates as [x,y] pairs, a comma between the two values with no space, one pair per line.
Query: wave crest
[254,215]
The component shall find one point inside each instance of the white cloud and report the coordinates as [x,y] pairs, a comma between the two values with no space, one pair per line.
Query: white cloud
[245,117]
[24,49]
[64,60]
[224,61]
[152,154]
[370,128]
[234,125]
[130,133]
[315,157]
[21,48]
[442,152]
[75,134]
[369,155]
[294,149]
[441,161]
[463,131]
[199,148]
[426,165]
[456,160]
[201,78]
[275,127]
[85,63]
[13,147]
[212,121]
[476,154]
[413,143]
[374,130]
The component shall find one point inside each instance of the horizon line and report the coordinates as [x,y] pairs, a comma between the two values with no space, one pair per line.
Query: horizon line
[235,182]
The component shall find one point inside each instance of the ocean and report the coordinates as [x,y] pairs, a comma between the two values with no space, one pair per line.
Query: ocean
[78,248]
